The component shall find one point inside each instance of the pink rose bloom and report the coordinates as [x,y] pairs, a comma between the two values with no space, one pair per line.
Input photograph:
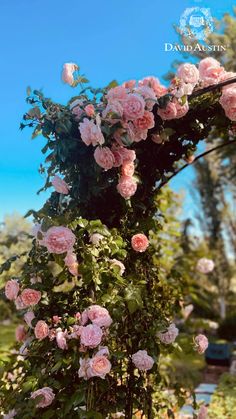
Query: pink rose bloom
[19,303]
[133,107]
[154,84]
[148,95]
[201,343]
[170,335]
[127,169]
[118,159]
[126,186]
[30,297]
[91,336]
[205,265]
[104,157]
[20,333]
[181,110]
[99,316]
[47,396]
[67,73]
[145,122]
[142,360]
[10,415]
[78,316]
[59,240]
[84,370]
[130,84]
[60,185]
[61,339]
[170,112]
[95,238]
[56,319]
[135,134]
[12,289]
[117,93]
[41,330]
[72,263]
[139,242]
[89,110]
[188,73]
[127,155]
[91,133]
[202,414]
[119,264]
[210,71]
[28,317]
[99,366]
[228,102]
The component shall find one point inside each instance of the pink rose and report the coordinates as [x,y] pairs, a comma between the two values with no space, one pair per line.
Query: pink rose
[117,93]
[91,336]
[181,110]
[201,343]
[60,185]
[89,110]
[30,297]
[118,159]
[202,414]
[91,133]
[130,84]
[84,370]
[154,84]
[12,289]
[19,303]
[127,155]
[135,134]
[170,335]
[99,366]
[113,107]
[61,339]
[99,316]
[148,94]
[139,242]
[41,330]
[127,169]
[210,71]
[188,73]
[142,360]
[59,240]
[133,106]
[67,73]
[170,111]
[20,333]
[126,186]
[205,265]
[28,317]
[119,264]
[104,157]
[228,102]
[145,122]
[46,394]
[56,319]
[72,263]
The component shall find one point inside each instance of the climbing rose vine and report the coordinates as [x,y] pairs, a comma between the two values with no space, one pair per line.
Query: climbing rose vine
[97,310]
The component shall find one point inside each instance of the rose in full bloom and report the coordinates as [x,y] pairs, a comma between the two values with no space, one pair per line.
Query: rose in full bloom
[41,330]
[46,394]
[28,317]
[133,107]
[12,289]
[228,102]
[181,110]
[127,154]
[119,264]
[139,242]
[170,112]
[170,335]
[104,157]
[89,109]
[61,339]
[188,73]
[19,303]
[154,84]
[59,240]
[91,336]
[148,95]
[99,366]
[67,73]
[145,122]
[210,71]
[126,186]
[60,185]
[142,360]
[202,414]
[91,133]
[117,93]
[20,333]
[205,265]
[127,169]
[30,297]
[95,238]
[201,343]
[72,263]
[99,316]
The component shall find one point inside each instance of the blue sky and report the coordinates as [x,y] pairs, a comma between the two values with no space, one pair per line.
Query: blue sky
[109,39]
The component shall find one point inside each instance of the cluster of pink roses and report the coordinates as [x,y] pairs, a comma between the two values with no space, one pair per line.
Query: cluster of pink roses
[28,297]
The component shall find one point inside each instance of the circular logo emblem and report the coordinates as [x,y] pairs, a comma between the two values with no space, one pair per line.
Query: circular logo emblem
[196,23]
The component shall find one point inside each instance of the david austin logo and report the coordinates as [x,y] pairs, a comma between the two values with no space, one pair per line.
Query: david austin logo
[196,23]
